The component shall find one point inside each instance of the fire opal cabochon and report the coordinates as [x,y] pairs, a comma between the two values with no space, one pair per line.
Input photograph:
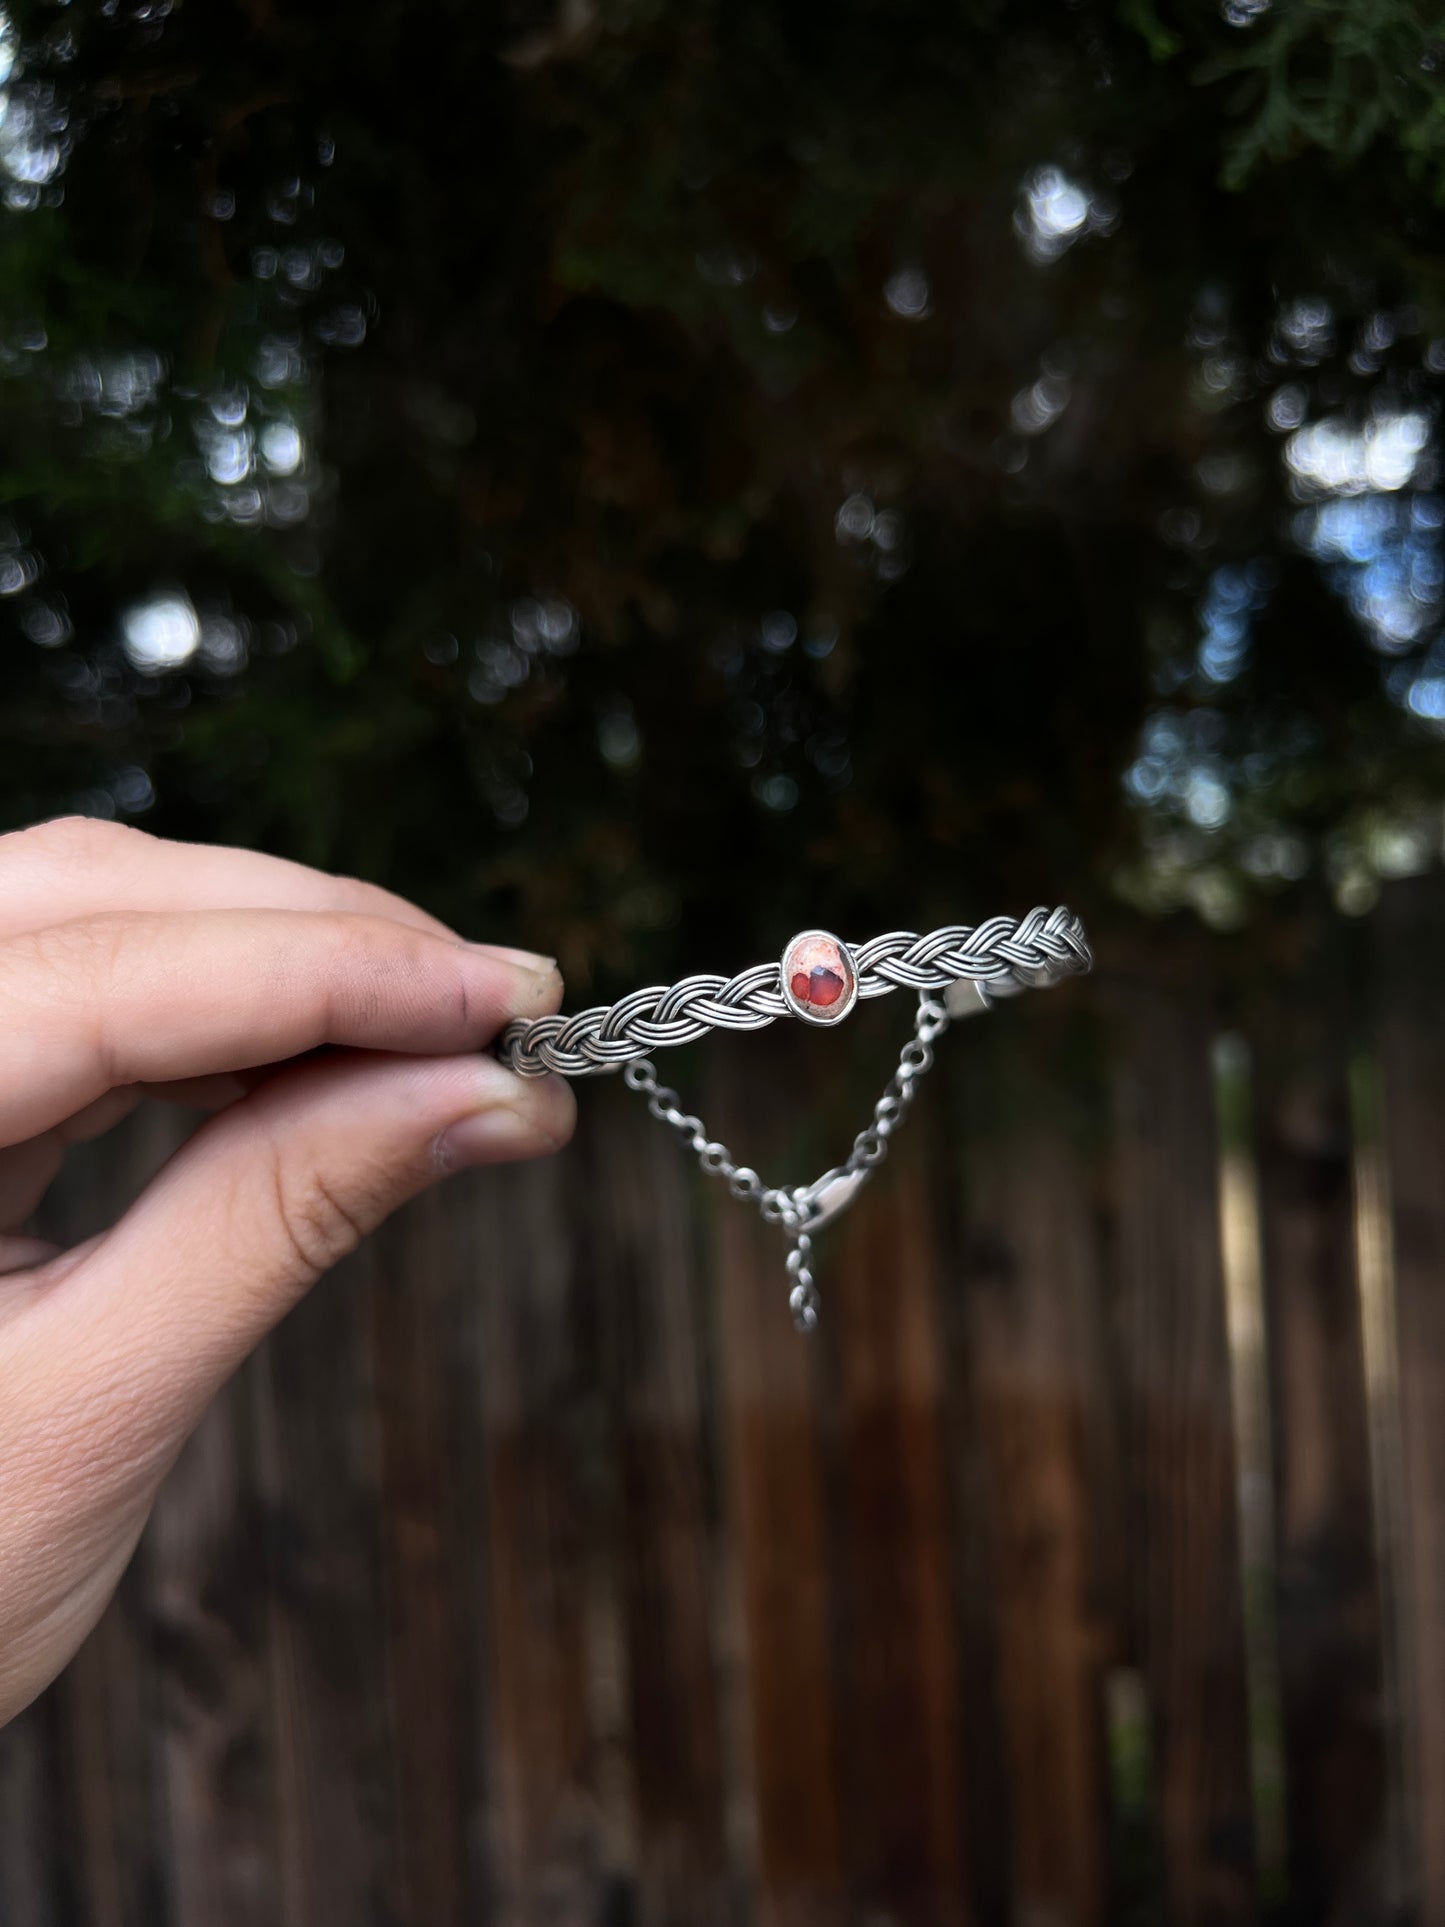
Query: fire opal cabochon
[819,980]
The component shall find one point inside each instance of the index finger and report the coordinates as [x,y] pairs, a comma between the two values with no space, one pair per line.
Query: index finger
[80,866]
[136,999]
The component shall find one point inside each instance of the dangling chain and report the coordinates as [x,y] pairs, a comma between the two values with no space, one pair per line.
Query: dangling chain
[803,1209]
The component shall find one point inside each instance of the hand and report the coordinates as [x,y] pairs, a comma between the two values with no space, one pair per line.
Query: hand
[134,968]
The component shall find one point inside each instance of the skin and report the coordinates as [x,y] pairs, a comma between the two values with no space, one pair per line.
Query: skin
[335,1034]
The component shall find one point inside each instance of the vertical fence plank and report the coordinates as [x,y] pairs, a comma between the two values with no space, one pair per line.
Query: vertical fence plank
[896,1664]
[207,1585]
[1411,1026]
[1327,1600]
[108,1707]
[642,1262]
[108,1765]
[775,1481]
[546,1474]
[986,1789]
[1174,1367]
[311,1413]
[34,1890]
[430,1700]
[1035,1338]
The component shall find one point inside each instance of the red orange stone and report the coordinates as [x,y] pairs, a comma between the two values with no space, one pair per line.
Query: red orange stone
[820,986]
[819,975]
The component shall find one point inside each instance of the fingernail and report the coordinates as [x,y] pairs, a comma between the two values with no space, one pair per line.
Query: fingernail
[523,959]
[490,1137]
[538,1122]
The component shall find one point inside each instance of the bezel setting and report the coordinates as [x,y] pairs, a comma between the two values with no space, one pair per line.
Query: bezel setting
[818,956]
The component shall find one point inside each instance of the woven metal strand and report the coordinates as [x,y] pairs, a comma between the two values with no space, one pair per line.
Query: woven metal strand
[1002,956]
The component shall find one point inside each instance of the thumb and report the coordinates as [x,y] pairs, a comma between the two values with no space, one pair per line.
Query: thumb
[270,1194]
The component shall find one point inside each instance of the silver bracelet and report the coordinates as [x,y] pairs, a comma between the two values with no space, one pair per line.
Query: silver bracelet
[819,978]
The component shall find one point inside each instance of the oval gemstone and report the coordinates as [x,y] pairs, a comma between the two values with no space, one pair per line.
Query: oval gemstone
[819,975]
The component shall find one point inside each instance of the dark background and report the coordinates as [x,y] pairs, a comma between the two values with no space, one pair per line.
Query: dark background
[625,477]
[641,479]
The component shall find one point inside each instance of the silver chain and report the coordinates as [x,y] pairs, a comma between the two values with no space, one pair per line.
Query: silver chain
[803,1209]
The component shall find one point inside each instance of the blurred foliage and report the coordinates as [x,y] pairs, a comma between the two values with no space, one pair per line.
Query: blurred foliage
[639,477]
[1339,75]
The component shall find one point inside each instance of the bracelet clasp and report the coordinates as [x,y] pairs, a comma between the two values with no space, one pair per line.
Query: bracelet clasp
[828,1197]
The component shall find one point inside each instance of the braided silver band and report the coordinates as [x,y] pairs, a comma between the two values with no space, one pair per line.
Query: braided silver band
[1001,956]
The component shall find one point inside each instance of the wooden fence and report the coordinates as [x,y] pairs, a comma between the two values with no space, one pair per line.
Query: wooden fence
[1088,1566]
